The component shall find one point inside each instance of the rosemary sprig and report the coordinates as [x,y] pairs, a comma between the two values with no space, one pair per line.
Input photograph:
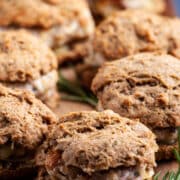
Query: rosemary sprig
[171,175]
[74,91]
[177,152]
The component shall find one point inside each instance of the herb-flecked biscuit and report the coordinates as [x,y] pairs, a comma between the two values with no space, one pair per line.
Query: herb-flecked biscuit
[63,25]
[23,57]
[144,86]
[130,32]
[92,145]
[69,39]
[25,121]
[26,62]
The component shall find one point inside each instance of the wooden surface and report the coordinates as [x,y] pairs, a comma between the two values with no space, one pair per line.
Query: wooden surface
[67,106]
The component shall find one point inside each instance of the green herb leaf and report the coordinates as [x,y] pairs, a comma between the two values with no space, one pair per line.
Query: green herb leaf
[70,87]
[156,176]
[178,175]
[74,92]
[177,155]
[172,175]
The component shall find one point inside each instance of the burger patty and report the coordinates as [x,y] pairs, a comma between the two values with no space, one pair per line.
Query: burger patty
[13,153]
[38,86]
[13,157]
[130,173]
[74,173]
[166,136]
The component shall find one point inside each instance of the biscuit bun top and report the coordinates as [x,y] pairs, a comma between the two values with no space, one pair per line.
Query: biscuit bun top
[145,86]
[131,31]
[24,119]
[95,141]
[43,13]
[23,57]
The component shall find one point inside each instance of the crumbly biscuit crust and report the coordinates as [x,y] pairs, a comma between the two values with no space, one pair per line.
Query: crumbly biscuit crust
[23,57]
[145,86]
[24,119]
[41,13]
[133,31]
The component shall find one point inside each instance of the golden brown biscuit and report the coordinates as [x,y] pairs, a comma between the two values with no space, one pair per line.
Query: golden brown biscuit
[25,121]
[27,63]
[89,144]
[64,25]
[143,86]
[69,39]
[36,13]
[131,32]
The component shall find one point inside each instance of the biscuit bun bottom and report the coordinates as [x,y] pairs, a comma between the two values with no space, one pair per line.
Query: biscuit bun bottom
[135,173]
[16,161]
[166,136]
[166,152]
[44,84]
[22,172]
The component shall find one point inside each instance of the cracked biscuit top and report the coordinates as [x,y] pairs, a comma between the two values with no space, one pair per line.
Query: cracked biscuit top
[43,13]
[23,57]
[24,119]
[144,86]
[132,31]
[95,141]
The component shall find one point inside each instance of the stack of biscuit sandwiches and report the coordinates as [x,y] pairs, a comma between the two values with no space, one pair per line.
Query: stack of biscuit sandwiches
[126,52]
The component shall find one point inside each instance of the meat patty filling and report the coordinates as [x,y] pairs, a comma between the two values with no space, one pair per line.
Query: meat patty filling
[13,156]
[14,152]
[135,173]
[56,169]
[167,136]
[39,86]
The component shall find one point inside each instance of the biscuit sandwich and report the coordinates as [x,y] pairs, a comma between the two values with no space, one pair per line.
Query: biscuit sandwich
[27,63]
[130,32]
[98,145]
[144,86]
[25,122]
[64,25]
